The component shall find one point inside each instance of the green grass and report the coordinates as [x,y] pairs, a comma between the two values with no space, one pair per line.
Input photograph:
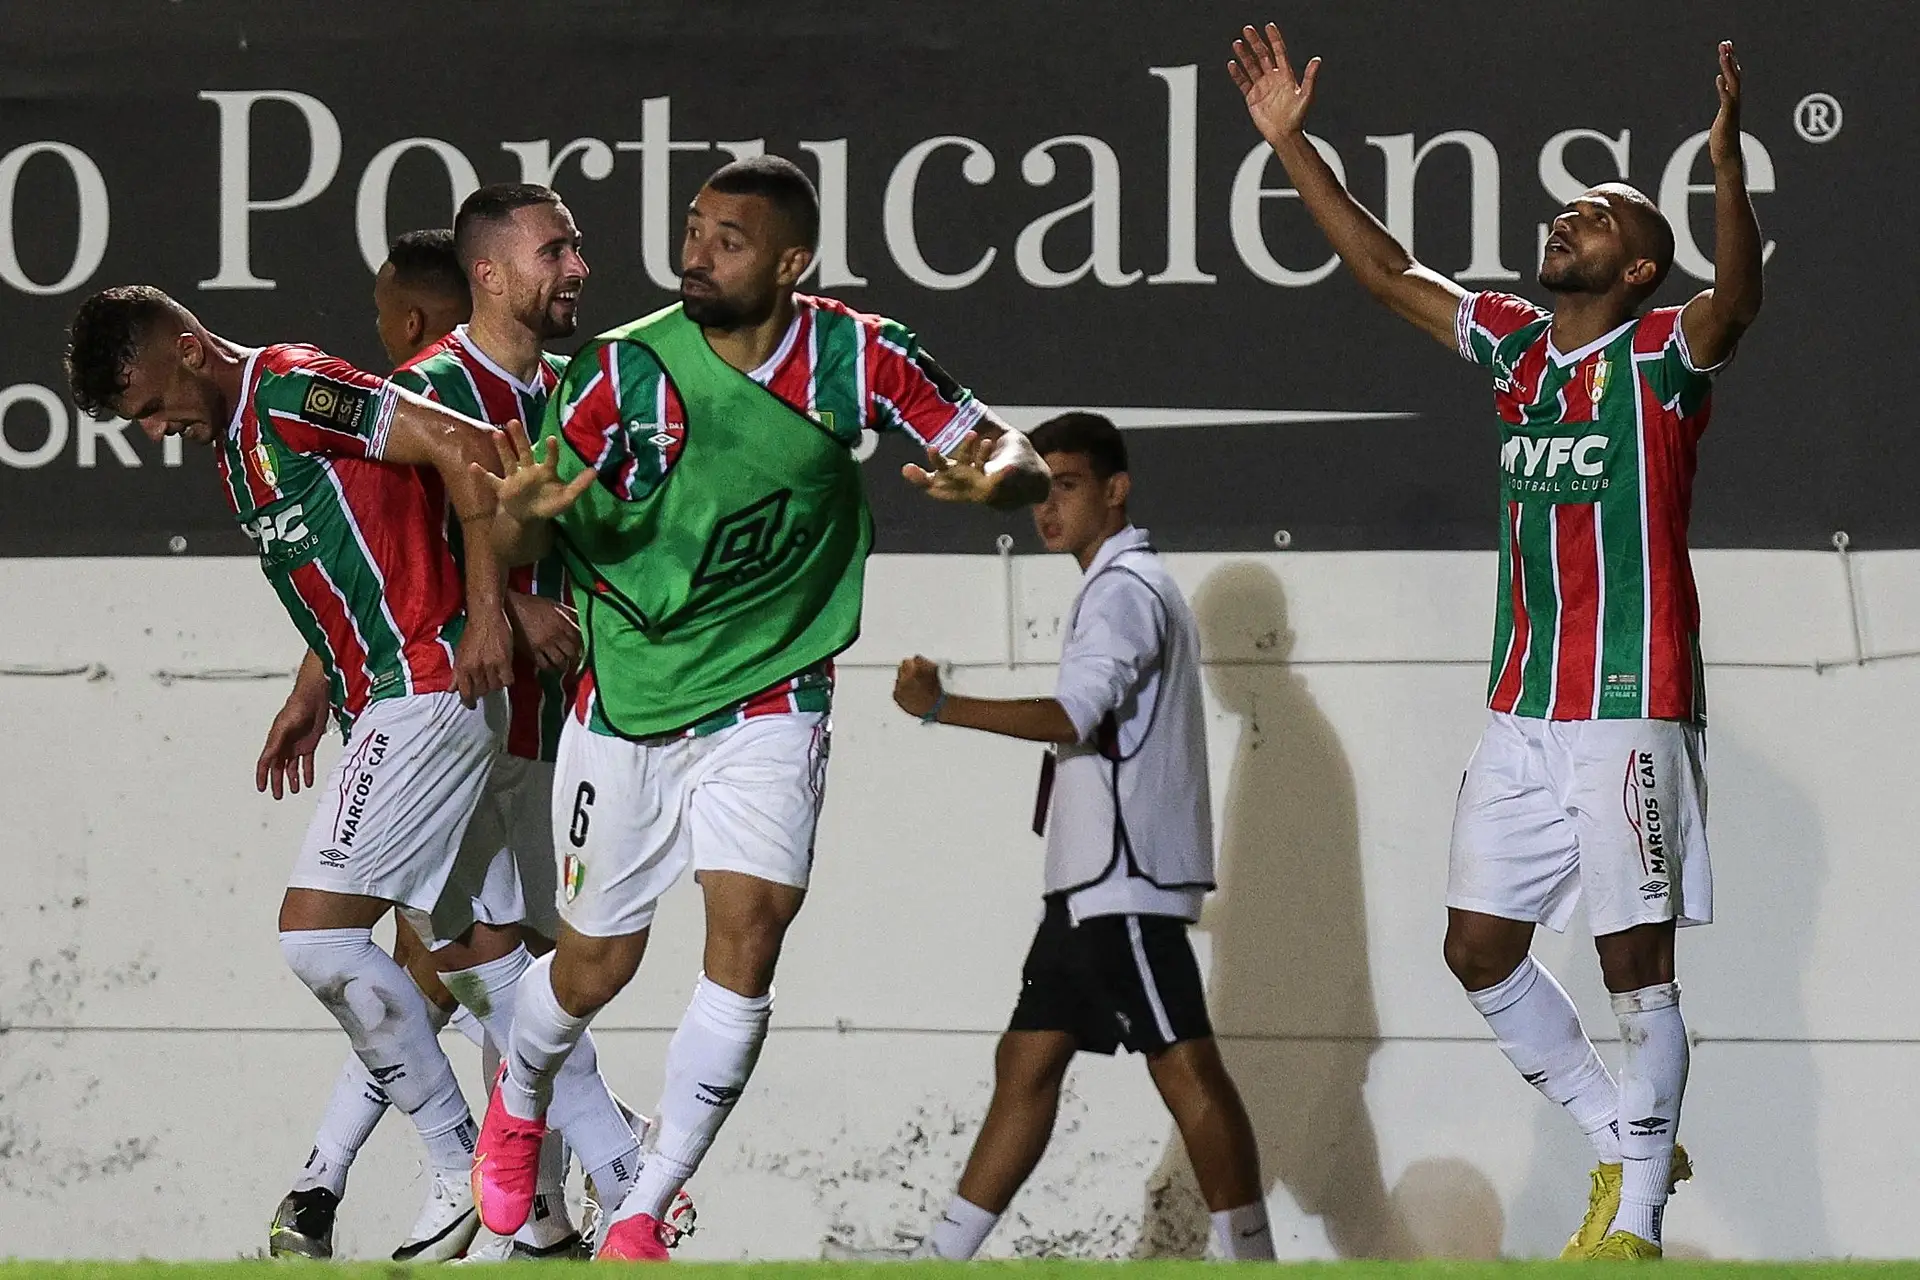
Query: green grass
[1050,1270]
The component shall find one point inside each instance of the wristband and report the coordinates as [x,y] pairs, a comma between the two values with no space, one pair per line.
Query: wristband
[933,713]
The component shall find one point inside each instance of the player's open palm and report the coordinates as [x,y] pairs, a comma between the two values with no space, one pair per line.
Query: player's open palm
[960,476]
[286,761]
[528,488]
[1276,100]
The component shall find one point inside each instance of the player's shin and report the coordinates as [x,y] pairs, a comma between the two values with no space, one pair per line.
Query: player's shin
[543,1036]
[386,1021]
[1537,1027]
[1653,1076]
[709,1061]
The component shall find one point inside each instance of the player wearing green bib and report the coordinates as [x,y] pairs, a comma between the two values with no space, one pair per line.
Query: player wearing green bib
[1590,779]
[697,473]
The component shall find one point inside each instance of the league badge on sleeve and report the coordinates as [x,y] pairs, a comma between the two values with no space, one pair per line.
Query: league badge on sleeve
[333,405]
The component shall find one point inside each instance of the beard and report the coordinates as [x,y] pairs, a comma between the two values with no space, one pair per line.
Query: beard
[1573,276]
[719,311]
[546,319]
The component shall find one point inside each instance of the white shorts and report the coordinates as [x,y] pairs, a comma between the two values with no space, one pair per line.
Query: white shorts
[630,817]
[393,811]
[1612,810]
[513,828]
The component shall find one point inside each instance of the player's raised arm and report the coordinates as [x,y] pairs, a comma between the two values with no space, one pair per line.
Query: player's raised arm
[1278,103]
[423,434]
[1714,320]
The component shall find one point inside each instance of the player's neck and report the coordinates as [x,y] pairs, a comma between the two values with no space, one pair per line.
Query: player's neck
[750,346]
[1087,554]
[226,365]
[1579,318]
[506,342]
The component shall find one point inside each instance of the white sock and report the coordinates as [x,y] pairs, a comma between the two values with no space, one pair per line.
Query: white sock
[547,1223]
[463,1021]
[1243,1234]
[962,1229]
[709,1060]
[543,1036]
[352,1112]
[1537,1027]
[386,1021]
[1653,1076]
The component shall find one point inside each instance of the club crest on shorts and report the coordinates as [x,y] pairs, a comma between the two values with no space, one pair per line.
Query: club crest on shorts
[573,874]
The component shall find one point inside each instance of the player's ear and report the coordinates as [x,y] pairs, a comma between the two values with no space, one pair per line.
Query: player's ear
[793,264]
[1642,272]
[416,325]
[192,352]
[1119,489]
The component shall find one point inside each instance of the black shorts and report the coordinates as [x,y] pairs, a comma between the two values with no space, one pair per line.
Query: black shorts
[1112,981]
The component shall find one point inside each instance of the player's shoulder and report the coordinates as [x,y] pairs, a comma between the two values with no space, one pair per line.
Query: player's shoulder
[1504,312]
[832,310]
[1654,330]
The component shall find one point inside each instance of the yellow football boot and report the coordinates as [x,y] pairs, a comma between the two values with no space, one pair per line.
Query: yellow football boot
[1624,1246]
[1603,1201]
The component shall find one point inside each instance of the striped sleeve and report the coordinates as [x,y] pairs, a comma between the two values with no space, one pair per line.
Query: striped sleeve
[1485,318]
[323,405]
[1661,356]
[908,391]
[619,413]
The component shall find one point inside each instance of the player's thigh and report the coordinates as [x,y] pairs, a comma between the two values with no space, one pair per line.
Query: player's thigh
[617,818]
[523,880]
[1514,852]
[1639,795]
[1147,978]
[756,796]
[391,816]
[1057,995]
[484,886]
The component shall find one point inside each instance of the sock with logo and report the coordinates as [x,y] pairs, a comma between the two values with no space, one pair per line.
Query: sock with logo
[1537,1027]
[352,1112]
[963,1227]
[547,1222]
[709,1061]
[1653,1076]
[387,1022]
[1243,1234]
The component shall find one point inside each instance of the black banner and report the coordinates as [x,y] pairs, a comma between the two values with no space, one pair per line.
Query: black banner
[1066,200]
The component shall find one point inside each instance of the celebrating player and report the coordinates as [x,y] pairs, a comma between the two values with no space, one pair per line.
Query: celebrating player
[419,295]
[341,480]
[1590,777]
[713,607]
[1129,861]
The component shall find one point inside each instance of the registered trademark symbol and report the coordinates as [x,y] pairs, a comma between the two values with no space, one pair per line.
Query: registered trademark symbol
[1817,117]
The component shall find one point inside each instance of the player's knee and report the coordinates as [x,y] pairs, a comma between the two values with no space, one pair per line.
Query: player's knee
[1476,961]
[326,960]
[1024,1068]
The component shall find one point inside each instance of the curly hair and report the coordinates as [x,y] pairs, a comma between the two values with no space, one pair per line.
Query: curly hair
[105,341]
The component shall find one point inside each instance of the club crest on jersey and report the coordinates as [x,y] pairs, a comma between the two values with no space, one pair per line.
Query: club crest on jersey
[1597,376]
[264,464]
[334,405]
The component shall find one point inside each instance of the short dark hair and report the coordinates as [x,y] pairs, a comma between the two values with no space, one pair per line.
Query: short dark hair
[489,207]
[105,340]
[1091,435]
[782,183]
[425,260]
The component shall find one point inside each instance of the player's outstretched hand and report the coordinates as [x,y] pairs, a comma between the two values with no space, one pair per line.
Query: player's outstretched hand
[286,761]
[917,687]
[1275,99]
[1723,140]
[957,477]
[483,660]
[546,631]
[529,488]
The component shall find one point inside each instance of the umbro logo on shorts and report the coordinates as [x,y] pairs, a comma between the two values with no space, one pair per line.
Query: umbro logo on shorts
[1653,889]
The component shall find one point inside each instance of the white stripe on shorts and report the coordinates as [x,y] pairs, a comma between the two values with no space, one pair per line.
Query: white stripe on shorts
[1146,979]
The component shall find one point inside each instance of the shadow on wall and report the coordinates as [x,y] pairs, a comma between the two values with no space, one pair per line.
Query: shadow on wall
[1290,987]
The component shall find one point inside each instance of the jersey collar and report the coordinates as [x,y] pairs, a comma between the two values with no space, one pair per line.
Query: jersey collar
[1575,357]
[533,388]
[1128,539]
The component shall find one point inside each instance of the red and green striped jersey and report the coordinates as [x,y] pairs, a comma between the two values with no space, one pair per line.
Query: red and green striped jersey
[1597,616]
[456,373]
[619,410]
[356,548]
